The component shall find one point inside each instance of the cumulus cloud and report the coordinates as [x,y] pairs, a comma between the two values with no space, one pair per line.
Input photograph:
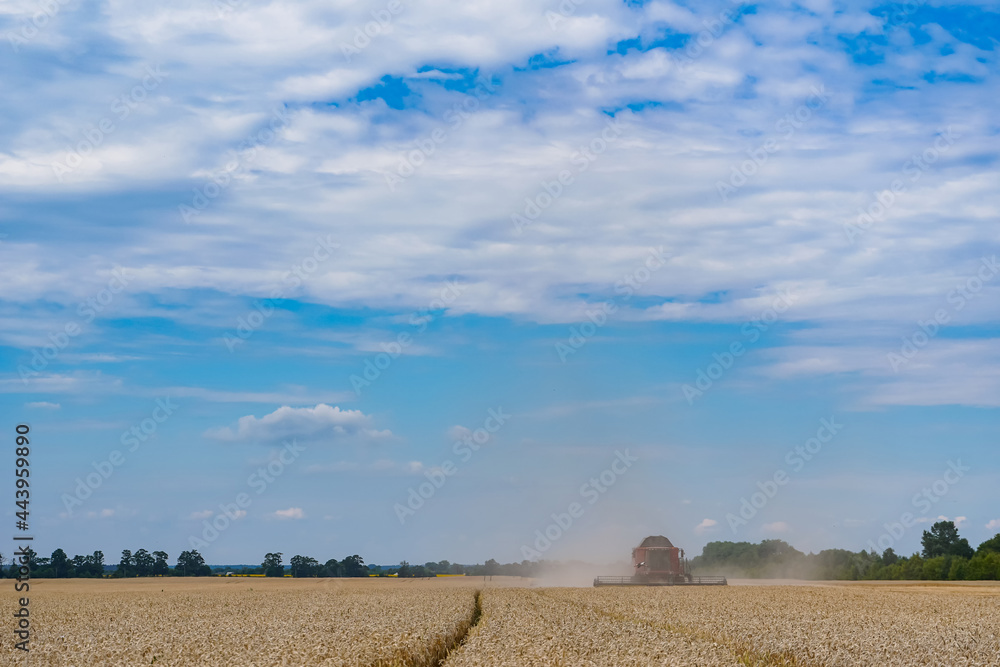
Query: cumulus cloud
[776,527]
[44,405]
[783,231]
[290,513]
[993,524]
[323,423]
[706,526]
[202,514]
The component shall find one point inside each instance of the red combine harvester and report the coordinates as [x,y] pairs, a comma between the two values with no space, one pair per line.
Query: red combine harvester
[657,562]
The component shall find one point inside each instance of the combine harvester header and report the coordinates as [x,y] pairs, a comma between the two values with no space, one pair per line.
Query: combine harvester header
[657,562]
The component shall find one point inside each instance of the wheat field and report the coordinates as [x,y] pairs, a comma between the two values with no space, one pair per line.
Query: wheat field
[465,622]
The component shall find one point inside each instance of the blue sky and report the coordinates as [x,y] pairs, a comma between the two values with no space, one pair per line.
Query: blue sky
[666,243]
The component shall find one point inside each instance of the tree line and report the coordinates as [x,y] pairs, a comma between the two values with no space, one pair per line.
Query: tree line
[944,555]
[143,563]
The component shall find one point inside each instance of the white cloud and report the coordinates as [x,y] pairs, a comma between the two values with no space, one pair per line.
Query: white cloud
[776,527]
[706,526]
[321,423]
[993,524]
[44,405]
[290,513]
[382,466]
[202,514]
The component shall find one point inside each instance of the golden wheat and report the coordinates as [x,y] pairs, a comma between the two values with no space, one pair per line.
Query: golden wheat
[244,622]
[413,623]
[820,625]
[526,627]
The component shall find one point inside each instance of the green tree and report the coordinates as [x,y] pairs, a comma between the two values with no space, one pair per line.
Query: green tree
[304,566]
[61,565]
[331,568]
[143,563]
[984,565]
[936,568]
[959,569]
[96,564]
[192,564]
[160,566]
[272,565]
[943,540]
[354,566]
[126,562]
[992,544]
[889,557]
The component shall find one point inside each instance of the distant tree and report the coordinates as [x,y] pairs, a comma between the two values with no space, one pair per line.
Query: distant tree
[331,568]
[404,570]
[354,566]
[992,544]
[889,557]
[61,565]
[80,567]
[272,565]
[125,563]
[304,566]
[96,563]
[943,540]
[160,565]
[143,563]
[491,567]
[192,564]
[443,566]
